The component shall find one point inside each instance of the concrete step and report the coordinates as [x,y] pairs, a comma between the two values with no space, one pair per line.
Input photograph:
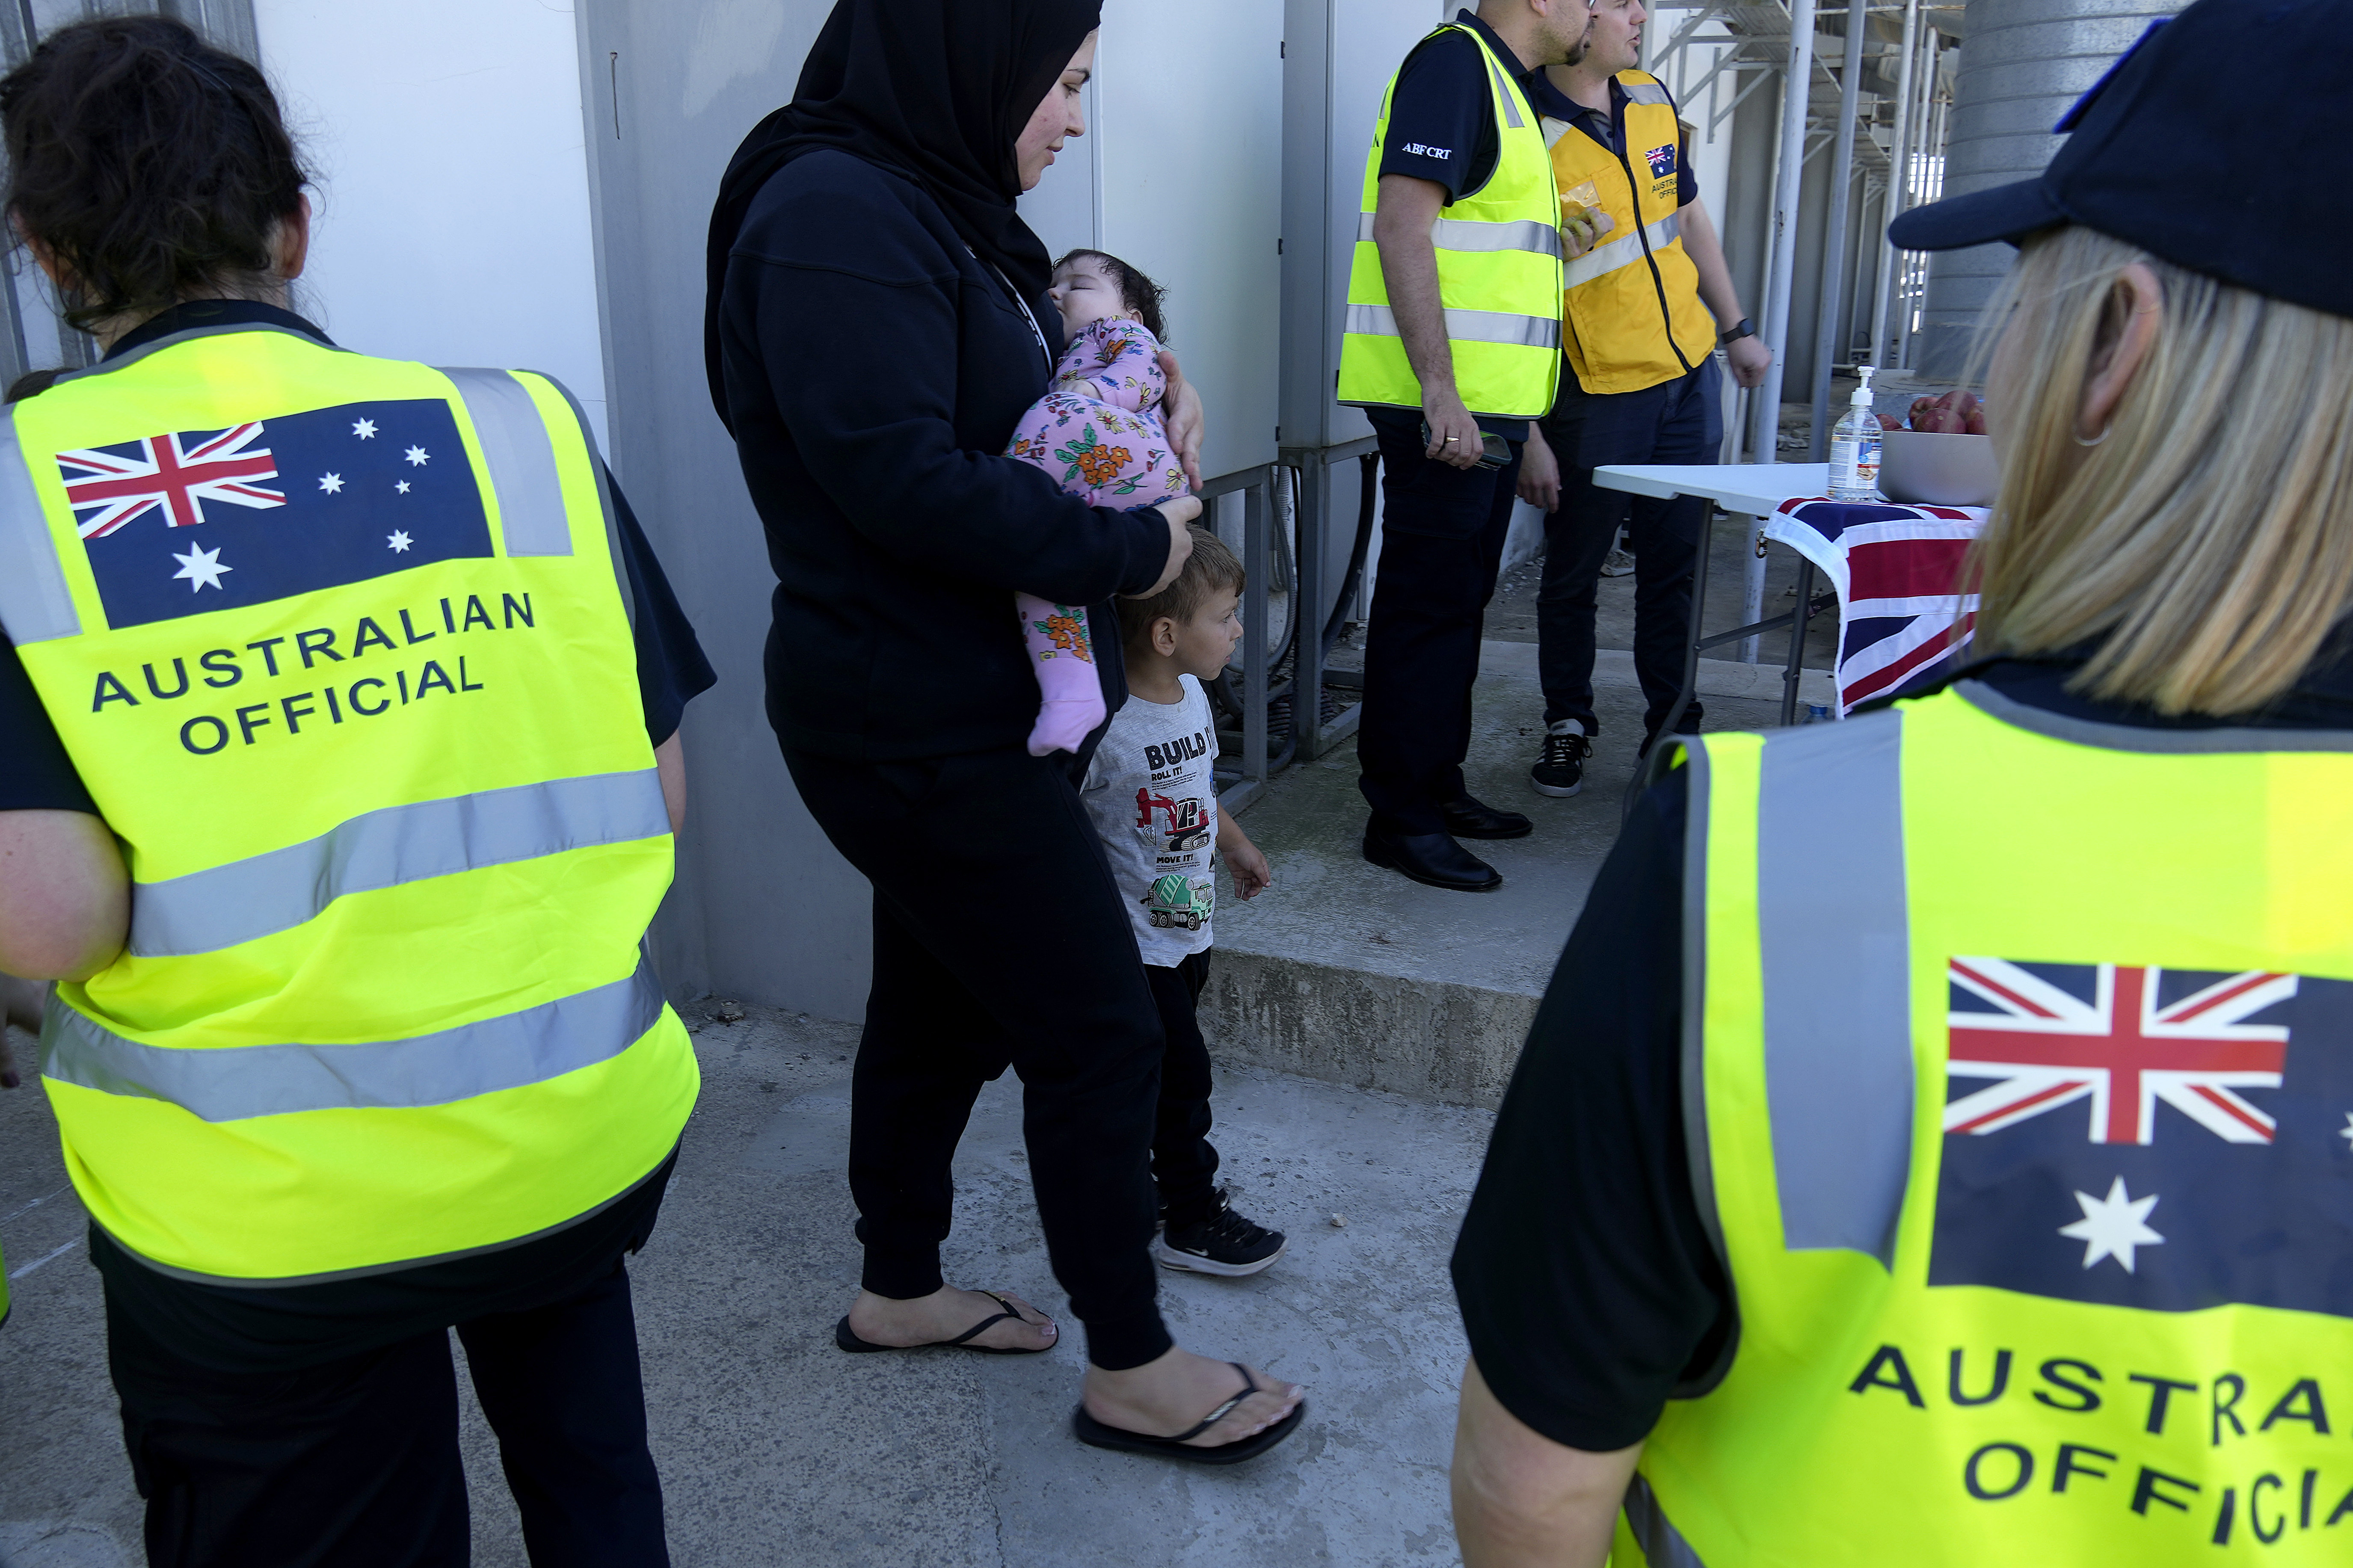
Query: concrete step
[1346,972]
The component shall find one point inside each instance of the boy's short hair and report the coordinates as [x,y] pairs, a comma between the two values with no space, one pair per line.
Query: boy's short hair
[1210,567]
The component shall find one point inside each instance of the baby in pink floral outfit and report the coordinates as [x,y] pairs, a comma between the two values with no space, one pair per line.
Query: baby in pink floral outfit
[1098,432]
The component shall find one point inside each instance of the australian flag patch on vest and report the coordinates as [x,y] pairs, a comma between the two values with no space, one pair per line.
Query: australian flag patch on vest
[2161,1139]
[186,521]
[1663,161]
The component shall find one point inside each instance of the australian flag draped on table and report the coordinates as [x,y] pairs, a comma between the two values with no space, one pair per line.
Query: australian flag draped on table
[1895,568]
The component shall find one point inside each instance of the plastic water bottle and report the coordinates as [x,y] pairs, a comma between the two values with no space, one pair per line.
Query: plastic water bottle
[1854,447]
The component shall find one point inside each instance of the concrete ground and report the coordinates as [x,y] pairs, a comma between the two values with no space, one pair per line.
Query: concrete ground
[776,1448]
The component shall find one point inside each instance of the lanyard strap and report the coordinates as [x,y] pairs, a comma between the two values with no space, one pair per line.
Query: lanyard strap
[1028,315]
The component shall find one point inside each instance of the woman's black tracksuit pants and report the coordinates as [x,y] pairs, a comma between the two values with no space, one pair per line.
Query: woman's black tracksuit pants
[1000,940]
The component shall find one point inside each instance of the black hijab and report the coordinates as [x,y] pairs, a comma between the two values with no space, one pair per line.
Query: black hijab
[937,90]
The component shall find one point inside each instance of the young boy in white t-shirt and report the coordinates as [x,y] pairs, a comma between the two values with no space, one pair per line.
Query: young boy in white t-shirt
[1155,803]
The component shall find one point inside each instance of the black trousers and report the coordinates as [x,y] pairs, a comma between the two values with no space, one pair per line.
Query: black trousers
[999,939]
[1443,532]
[354,1463]
[1184,1162]
[1677,422]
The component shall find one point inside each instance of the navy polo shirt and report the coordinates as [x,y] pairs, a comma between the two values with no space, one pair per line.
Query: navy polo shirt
[1442,112]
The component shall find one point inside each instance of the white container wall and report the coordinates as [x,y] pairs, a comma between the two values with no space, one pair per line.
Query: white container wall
[451,203]
[1180,174]
[764,908]
[1338,58]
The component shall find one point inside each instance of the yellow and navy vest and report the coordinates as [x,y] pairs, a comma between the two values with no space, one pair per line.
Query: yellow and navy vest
[1634,317]
[2024,1052]
[337,645]
[1498,275]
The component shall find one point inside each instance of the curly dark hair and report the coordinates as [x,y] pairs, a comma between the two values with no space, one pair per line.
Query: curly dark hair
[154,167]
[1137,292]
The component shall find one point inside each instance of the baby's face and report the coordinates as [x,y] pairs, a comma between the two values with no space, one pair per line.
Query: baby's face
[1084,295]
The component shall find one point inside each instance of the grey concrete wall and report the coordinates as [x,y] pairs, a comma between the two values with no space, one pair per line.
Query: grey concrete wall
[2024,63]
[763,909]
[1746,224]
[1806,284]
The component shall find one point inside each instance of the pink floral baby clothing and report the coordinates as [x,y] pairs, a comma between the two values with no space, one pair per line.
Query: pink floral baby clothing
[1098,432]
[1098,429]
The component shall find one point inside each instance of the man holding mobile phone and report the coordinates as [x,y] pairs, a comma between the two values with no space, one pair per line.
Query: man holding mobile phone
[1452,348]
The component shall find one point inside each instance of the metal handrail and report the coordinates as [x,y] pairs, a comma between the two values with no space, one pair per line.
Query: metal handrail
[1310,736]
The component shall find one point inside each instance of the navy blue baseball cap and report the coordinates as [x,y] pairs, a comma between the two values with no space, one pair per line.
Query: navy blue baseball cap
[2221,142]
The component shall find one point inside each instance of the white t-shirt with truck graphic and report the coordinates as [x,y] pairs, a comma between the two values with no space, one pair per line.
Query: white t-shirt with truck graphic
[1150,793]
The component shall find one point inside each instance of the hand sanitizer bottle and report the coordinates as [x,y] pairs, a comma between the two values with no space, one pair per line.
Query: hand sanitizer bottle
[1854,447]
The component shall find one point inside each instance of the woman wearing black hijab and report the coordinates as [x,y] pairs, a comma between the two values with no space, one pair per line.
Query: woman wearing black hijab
[878,324]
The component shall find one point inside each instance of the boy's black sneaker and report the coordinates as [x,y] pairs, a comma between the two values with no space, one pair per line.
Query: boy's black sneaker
[1225,1243]
[1561,770]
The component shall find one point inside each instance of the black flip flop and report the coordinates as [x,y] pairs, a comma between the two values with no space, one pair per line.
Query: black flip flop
[1096,1435]
[847,1341]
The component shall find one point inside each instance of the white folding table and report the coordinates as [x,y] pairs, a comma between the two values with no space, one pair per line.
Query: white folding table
[1748,491]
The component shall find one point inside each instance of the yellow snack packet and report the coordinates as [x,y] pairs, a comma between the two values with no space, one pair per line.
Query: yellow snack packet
[1575,201]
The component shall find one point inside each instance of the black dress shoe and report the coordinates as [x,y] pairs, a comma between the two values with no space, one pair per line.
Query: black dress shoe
[1433,859]
[1469,818]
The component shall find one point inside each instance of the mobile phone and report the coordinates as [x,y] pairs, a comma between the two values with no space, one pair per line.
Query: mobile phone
[1494,452]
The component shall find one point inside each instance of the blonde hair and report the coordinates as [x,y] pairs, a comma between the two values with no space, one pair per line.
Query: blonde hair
[2206,542]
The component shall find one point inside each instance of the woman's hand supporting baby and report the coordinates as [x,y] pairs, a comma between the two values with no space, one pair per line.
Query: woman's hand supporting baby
[1180,412]
[1180,511]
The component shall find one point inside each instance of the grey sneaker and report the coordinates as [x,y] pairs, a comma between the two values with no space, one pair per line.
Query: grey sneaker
[1561,771]
[1617,564]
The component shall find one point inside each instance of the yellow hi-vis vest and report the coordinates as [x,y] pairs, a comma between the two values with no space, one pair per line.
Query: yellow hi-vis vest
[1633,316]
[2025,1080]
[375,758]
[1498,275]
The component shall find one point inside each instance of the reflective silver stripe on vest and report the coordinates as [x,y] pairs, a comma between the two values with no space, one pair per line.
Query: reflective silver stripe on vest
[1645,92]
[1465,326]
[1662,1545]
[1624,251]
[1836,954]
[1467,234]
[522,460]
[1511,98]
[35,604]
[234,1082]
[1691,1061]
[207,911]
[604,498]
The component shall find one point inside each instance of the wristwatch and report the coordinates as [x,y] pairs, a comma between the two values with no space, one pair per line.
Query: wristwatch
[1743,330]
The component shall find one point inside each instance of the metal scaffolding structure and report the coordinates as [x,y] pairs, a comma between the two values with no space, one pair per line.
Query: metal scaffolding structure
[1871,89]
